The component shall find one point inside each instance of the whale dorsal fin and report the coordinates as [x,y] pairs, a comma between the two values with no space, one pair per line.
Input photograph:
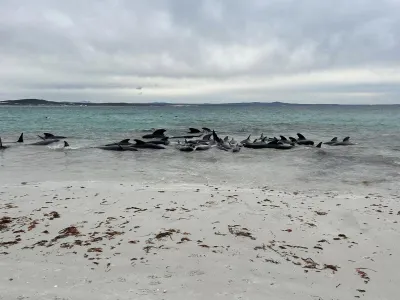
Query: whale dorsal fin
[274,142]
[21,138]
[292,139]
[48,135]
[283,138]
[1,143]
[194,130]
[301,137]
[66,144]
[159,131]
[319,145]
[207,137]
[216,138]
[346,139]
[125,141]
[334,139]
[206,129]
[139,142]
[264,138]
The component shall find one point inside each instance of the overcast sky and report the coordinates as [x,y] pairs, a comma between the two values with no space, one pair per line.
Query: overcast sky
[306,51]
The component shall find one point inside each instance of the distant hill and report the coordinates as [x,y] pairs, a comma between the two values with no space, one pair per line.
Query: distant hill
[41,102]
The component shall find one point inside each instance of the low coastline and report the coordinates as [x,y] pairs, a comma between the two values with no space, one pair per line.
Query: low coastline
[104,240]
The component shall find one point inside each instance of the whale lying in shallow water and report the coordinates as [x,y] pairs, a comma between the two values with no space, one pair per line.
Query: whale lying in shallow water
[345,142]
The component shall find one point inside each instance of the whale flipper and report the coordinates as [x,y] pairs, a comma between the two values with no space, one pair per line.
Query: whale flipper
[41,137]
[21,138]
[301,137]
[319,145]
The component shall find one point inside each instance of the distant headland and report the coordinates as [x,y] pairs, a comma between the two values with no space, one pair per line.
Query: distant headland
[42,102]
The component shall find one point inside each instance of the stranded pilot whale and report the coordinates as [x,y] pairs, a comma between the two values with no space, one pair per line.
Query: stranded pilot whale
[146,145]
[345,142]
[159,133]
[303,141]
[50,136]
[45,142]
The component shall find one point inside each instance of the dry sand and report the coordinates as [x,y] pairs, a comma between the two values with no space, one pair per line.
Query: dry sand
[117,241]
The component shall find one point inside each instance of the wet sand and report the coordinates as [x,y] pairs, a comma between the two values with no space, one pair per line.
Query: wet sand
[104,240]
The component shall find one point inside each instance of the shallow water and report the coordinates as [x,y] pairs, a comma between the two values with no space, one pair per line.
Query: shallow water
[374,163]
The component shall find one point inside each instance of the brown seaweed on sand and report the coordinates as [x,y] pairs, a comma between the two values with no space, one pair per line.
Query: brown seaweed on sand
[70,231]
[233,229]
[4,221]
[10,243]
[95,250]
[363,274]
[54,215]
[166,233]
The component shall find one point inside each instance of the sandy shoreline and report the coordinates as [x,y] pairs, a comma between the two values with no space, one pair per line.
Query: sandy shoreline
[117,241]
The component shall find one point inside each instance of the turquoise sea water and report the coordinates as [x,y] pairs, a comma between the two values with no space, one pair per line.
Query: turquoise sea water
[373,163]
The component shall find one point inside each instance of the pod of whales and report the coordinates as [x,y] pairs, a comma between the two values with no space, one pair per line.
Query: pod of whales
[197,140]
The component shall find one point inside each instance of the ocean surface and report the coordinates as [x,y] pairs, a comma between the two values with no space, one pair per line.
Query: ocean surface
[372,164]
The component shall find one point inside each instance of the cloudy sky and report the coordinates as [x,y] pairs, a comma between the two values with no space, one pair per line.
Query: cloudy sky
[306,51]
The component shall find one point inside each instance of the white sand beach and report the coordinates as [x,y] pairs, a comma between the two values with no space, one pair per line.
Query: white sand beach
[105,240]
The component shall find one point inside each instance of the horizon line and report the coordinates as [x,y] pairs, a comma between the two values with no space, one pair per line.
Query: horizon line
[83,102]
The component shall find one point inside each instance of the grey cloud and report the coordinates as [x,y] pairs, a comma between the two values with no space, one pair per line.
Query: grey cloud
[98,45]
